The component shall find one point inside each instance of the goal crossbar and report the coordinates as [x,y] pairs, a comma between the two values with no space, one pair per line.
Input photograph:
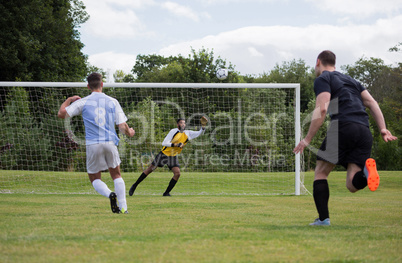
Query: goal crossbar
[154,85]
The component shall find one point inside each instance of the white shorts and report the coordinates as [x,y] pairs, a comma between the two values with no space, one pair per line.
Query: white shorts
[101,157]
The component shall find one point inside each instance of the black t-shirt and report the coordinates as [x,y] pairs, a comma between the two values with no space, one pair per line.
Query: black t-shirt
[346,102]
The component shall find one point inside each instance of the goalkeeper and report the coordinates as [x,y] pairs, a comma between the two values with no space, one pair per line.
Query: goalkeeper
[172,146]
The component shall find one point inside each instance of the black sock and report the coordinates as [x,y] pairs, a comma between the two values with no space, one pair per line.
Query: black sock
[170,186]
[321,197]
[359,181]
[140,179]
[134,186]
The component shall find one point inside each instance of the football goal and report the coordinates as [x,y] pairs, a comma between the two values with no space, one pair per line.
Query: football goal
[246,148]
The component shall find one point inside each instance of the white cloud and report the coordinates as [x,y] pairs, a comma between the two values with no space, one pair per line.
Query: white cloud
[112,18]
[180,10]
[240,1]
[128,3]
[112,61]
[252,49]
[359,8]
[254,52]
[276,44]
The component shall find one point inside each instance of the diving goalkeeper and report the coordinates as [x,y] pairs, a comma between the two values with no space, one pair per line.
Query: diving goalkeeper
[172,146]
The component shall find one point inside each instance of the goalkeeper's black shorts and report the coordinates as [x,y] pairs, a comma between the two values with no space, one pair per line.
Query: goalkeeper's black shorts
[162,159]
[346,142]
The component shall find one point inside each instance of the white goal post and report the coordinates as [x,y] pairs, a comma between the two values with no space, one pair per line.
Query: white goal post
[253,127]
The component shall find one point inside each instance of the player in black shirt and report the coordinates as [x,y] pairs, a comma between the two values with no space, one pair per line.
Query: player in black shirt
[349,140]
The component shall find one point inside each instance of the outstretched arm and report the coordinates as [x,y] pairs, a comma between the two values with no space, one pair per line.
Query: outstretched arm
[376,112]
[62,114]
[195,134]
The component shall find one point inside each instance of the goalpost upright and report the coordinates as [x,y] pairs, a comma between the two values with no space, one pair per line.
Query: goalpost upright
[295,86]
[297,140]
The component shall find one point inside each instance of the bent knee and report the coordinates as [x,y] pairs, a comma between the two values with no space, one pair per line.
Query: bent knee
[351,188]
[176,176]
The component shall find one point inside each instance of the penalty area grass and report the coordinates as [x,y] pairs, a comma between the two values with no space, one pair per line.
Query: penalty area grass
[366,227]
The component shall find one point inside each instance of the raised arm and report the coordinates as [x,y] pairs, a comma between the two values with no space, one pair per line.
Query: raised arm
[376,112]
[62,114]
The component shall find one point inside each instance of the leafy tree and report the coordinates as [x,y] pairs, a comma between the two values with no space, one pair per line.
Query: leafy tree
[92,68]
[396,48]
[145,64]
[128,78]
[120,76]
[198,67]
[370,72]
[39,40]
[295,71]
[28,147]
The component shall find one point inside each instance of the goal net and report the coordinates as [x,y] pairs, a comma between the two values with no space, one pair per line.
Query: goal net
[246,149]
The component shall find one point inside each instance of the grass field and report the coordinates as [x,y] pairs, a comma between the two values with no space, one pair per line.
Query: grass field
[366,227]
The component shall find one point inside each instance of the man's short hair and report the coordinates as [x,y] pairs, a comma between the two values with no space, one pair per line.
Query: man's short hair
[180,119]
[94,80]
[327,58]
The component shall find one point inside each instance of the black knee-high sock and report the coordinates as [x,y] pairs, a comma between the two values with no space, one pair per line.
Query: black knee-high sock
[321,197]
[140,179]
[172,183]
[359,181]
[134,186]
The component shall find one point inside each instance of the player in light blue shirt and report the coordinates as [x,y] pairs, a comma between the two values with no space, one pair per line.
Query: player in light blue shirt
[100,114]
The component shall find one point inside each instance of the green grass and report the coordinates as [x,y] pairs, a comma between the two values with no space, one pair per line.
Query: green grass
[191,183]
[366,227]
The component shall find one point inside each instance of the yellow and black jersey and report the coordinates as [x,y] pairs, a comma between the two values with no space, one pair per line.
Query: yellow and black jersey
[175,136]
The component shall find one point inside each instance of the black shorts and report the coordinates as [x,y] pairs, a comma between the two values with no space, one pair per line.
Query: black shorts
[346,143]
[162,159]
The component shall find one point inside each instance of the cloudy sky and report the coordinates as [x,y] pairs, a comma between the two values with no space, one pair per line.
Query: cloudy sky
[254,35]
